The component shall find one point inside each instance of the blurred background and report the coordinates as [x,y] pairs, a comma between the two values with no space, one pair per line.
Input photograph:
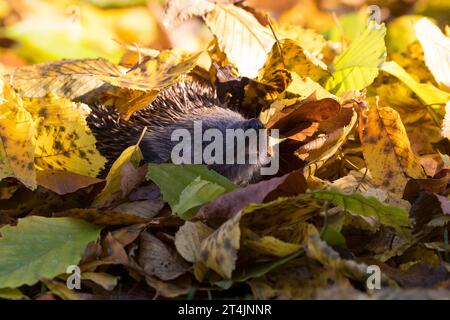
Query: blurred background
[35,31]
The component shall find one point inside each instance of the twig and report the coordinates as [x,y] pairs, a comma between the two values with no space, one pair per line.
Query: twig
[142,136]
[362,179]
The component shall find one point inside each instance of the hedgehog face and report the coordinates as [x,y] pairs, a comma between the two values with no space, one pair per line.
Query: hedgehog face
[217,137]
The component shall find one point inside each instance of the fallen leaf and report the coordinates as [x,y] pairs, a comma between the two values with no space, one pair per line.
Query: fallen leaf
[436,47]
[64,182]
[157,259]
[41,247]
[387,149]
[245,41]
[188,240]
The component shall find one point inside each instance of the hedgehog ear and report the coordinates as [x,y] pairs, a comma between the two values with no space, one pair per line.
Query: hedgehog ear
[253,123]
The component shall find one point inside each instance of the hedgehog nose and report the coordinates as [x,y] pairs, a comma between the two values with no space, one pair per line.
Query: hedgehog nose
[253,123]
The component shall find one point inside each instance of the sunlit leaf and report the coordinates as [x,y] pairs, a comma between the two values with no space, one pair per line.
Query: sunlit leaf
[288,54]
[123,177]
[245,41]
[17,142]
[67,78]
[387,149]
[436,47]
[358,65]
[428,93]
[63,138]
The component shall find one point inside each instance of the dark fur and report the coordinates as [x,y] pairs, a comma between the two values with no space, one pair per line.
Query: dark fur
[175,108]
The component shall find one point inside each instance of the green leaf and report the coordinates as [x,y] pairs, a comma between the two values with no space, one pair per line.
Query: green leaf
[196,194]
[40,247]
[172,179]
[362,205]
[350,26]
[333,237]
[358,65]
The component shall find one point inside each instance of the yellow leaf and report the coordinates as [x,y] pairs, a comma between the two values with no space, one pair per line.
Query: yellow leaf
[117,184]
[63,138]
[67,78]
[127,101]
[134,89]
[272,246]
[261,93]
[157,73]
[428,93]
[293,58]
[308,39]
[387,150]
[17,143]
[305,87]
[219,250]
[188,239]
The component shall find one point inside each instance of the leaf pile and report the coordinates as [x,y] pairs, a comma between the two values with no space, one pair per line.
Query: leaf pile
[363,110]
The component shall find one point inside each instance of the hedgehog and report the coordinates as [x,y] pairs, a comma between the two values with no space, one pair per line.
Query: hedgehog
[176,107]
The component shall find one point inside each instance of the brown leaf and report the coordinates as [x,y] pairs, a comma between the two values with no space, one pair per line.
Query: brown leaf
[113,250]
[107,218]
[290,117]
[170,289]
[63,182]
[129,234]
[146,208]
[431,209]
[157,259]
[415,186]
[419,275]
